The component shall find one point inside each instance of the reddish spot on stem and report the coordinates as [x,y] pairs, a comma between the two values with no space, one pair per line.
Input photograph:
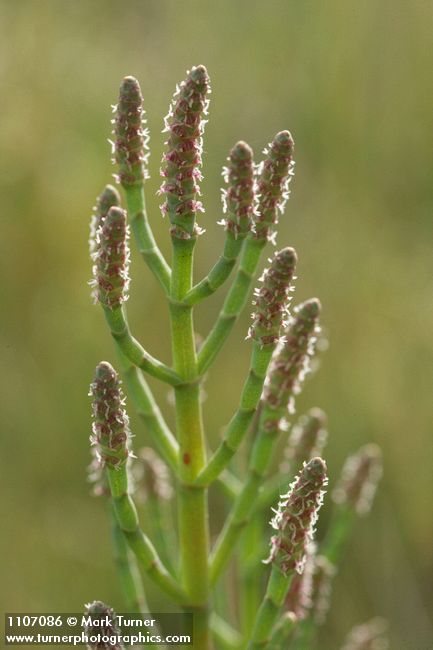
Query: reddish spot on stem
[186,458]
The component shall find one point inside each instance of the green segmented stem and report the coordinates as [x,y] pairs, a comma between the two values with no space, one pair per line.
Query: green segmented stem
[192,501]
[245,502]
[132,349]
[143,235]
[240,422]
[146,555]
[147,409]
[219,272]
[233,304]
[238,202]
[276,592]
[128,572]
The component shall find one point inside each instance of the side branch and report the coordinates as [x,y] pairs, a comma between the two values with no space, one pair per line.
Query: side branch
[240,422]
[146,407]
[219,272]
[145,553]
[132,349]
[146,243]
[233,304]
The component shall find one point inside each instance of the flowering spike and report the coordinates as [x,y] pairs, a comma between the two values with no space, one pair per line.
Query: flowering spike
[359,478]
[181,163]
[308,437]
[110,430]
[296,516]
[369,636]
[131,145]
[102,628]
[290,363]
[107,199]
[151,476]
[238,199]
[274,176]
[110,271]
[271,299]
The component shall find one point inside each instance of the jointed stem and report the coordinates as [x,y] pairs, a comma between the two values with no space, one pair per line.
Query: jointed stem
[132,349]
[219,272]
[128,572]
[246,501]
[148,410]
[146,555]
[276,592]
[144,237]
[240,422]
[193,514]
[233,304]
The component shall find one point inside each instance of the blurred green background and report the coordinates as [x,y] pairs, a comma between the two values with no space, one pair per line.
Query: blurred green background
[352,81]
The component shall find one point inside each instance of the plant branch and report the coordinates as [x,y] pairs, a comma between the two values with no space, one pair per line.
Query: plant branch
[147,409]
[132,349]
[143,235]
[240,422]
[145,553]
[233,304]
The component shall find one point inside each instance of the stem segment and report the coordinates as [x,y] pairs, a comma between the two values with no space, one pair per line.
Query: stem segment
[132,349]
[233,304]
[192,500]
[145,553]
[276,592]
[144,237]
[240,422]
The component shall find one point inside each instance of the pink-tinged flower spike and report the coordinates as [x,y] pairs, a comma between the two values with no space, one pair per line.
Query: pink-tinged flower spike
[359,479]
[131,145]
[101,625]
[369,636]
[107,199]
[308,437]
[110,271]
[182,161]
[290,363]
[272,298]
[296,516]
[110,431]
[274,175]
[238,198]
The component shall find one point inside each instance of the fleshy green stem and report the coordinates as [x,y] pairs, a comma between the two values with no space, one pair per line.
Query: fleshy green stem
[240,422]
[219,272]
[233,304]
[193,513]
[245,503]
[144,237]
[148,410]
[128,572]
[132,349]
[145,553]
[276,592]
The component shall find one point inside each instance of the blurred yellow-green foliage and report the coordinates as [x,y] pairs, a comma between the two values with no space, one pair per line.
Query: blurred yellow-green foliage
[352,81]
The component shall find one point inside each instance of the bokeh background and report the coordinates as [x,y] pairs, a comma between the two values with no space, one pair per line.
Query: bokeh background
[352,81]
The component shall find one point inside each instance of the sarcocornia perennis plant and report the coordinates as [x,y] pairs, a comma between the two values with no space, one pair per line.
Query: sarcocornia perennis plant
[283,574]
